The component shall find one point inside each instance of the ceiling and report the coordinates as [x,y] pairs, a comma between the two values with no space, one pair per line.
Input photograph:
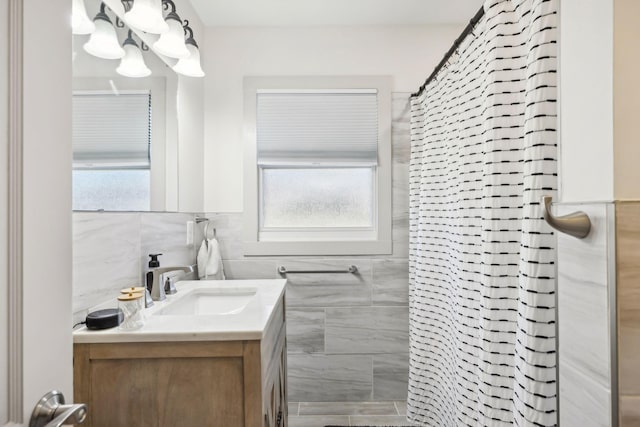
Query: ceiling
[334,12]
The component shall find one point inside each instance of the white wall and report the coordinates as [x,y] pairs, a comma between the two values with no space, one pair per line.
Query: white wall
[408,54]
[46,192]
[586,100]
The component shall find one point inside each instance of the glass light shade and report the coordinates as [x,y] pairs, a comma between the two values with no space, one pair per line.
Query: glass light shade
[80,21]
[132,64]
[190,66]
[103,42]
[171,43]
[146,15]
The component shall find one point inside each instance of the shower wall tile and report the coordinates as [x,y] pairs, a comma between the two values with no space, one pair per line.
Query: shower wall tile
[585,285]
[583,402]
[390,376]
[401,146]
[391,282]
[401,127]
[367,330]
[328,290]
[583,296]
[106,256]
[329,378]
[305,330]
[347,408]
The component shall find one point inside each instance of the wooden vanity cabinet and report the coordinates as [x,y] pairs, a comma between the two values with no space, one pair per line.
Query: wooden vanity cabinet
[186,383]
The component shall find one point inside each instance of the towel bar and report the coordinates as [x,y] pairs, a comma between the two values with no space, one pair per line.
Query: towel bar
[283,270]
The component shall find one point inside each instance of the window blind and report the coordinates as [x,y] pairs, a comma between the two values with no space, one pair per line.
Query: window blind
[317,127]
[111,131]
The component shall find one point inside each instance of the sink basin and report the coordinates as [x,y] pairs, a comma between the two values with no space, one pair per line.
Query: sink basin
[203,302]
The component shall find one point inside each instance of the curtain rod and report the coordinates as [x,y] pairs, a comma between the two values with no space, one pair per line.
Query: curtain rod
[468,29]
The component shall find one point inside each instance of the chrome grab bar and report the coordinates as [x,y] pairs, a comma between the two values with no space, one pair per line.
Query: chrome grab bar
[283,270]
[576,224]
[51,411]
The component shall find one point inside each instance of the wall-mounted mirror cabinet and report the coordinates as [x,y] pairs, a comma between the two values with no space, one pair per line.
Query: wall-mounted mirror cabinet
[134,131]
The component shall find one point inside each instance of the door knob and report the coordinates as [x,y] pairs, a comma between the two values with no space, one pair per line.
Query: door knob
[51,411]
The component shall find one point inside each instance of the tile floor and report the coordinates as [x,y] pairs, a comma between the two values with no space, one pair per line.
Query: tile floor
[321,414]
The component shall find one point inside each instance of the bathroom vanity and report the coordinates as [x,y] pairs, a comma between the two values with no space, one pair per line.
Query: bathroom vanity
[214,354]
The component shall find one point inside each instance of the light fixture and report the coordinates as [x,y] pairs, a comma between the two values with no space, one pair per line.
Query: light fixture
[190,66]
[80,22]
[132,64]
[172,42]
[103,42]
[146,15]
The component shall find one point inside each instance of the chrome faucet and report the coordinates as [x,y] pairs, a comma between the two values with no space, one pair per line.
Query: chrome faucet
[158,287]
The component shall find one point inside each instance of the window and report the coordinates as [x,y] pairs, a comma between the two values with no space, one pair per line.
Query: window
[111,150]
[317,166]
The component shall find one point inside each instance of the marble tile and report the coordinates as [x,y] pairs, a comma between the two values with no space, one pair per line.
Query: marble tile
[629,411]
[318,421]
[576,254]
[400,235]
[292,408]
[367,330]
[583,297]
[583,402]
[401,407]
[106,256]
[250,269]
[305,330]
[327,290]
[379,420]
[390,376]
[391,282]
[229,232]
[400,126]
[347,408]
[628,289]
[329,378]
[166,233]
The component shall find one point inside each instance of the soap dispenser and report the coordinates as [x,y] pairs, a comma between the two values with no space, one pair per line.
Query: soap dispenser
[153,264]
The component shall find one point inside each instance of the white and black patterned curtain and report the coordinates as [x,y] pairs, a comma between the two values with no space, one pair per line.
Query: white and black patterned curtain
[482,285]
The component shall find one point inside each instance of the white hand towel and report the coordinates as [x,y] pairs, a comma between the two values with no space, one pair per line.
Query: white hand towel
[210,261]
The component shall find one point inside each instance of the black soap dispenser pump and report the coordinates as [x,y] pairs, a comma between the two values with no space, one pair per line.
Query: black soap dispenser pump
[153,264]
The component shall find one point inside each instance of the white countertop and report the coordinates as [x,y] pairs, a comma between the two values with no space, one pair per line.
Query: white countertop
[249,324]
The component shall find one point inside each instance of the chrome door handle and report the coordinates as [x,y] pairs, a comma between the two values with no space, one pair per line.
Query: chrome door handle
[576,224]
[51,411]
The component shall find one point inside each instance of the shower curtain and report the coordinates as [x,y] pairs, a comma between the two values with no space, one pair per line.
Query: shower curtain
[482,273]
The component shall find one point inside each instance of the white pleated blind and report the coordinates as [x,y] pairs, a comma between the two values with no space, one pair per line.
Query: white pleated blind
[317,127]
[111,131]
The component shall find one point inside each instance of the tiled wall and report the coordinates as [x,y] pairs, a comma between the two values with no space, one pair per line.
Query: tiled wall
[586,285]
[110,252]
[628,283]
[348,335]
